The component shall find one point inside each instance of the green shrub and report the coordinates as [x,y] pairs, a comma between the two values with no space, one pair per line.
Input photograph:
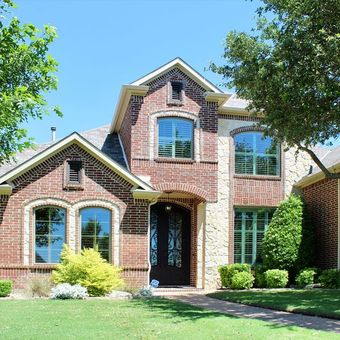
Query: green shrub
[5,287]
[89,270]
[260,279]
[305,277]
[281,243]
[227,272]
[330,278]
[242,280]
[276,278]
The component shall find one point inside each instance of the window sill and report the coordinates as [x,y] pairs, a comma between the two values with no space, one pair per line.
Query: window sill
[174,160]
[73,186]
[175,102]
[259,177]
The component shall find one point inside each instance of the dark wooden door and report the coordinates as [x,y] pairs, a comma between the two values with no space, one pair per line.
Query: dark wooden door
[170,245]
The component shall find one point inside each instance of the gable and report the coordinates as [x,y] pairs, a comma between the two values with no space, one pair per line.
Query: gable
[56,148]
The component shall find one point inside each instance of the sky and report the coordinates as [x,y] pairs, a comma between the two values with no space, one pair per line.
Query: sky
[104,44]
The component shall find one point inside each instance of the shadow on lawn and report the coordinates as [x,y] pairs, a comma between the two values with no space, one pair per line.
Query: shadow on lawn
[182,311]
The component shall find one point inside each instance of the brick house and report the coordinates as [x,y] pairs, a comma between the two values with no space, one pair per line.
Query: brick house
[179,183]
[322,197]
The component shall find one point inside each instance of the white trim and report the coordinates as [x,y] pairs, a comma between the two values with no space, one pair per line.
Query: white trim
[123,150]
[123,101]
[310,179]
[74,138]
[339,224]
[183,66]
[144,194]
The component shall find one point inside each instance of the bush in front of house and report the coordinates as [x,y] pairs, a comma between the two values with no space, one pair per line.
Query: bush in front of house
[89,270]
[305,277]
[242,280]
[38,286]
[260,279]
[276,278]
[66,291]
[227,272]
[5,287]
[281,243]
[330,278]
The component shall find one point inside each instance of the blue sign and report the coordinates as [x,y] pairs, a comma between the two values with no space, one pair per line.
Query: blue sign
[154,283]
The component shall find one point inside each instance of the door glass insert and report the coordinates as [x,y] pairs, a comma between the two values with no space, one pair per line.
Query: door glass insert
[175,240]
[153,239]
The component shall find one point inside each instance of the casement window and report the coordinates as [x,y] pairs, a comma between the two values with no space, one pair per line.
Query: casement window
[175,138]
[256,154]
[49,234]
[95,230]
[249,228]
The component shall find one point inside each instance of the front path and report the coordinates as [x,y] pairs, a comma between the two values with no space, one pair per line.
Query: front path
[240,310]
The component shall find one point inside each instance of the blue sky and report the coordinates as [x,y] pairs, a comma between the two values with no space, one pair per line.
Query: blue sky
[105,44]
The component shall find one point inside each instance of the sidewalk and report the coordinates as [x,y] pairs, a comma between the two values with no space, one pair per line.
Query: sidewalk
[264,314]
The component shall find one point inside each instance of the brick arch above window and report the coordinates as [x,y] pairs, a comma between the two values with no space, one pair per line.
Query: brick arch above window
[153,118]
[249,128]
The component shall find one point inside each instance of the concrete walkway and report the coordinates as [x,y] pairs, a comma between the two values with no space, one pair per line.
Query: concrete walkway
[285,318]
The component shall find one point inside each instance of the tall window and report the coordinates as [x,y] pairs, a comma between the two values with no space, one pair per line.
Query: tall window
[49,234]
[95,230]
[249,229]
[175,138]
[256,155]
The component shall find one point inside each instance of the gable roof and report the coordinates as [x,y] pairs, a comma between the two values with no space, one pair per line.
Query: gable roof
[100,137]
[184,67]
[74,138]
[331,161]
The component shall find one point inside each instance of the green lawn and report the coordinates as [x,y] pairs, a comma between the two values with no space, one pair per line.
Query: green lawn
[136,319]
[322,302]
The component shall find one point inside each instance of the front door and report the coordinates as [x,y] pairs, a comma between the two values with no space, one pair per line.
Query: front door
[170,244]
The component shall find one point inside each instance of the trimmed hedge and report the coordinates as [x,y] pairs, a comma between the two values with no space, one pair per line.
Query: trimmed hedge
[5,287]
[260,279]
[227,272]
[281,243]
[276,278]
[242,280]
[330,278]
[305,277]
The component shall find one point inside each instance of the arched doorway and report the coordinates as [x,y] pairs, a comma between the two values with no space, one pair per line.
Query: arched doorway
[170,228]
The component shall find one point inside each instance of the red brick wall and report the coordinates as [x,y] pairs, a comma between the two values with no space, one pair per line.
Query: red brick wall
[322,203]
[100,183]
[199,176]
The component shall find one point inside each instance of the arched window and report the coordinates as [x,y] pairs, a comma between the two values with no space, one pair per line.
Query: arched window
[175,138]
[256,154]
[49,234]
[95,230]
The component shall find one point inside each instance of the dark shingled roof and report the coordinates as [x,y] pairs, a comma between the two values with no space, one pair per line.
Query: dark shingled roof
[99,137]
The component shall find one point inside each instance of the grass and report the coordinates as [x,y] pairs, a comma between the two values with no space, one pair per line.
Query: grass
[136,319]
[321,302]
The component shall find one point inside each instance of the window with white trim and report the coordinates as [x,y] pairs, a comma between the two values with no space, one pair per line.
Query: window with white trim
[256,154]
[49,234]
[250,226]
[175,138]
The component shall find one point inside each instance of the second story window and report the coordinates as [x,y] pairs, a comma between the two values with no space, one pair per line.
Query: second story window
[175,138]
[256,154]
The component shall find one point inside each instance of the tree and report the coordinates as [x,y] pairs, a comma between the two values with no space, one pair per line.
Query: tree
[287,243]
[289,71]
[26,75]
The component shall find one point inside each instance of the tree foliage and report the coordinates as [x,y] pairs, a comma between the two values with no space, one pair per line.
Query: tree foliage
[282,241]
[27,73]
[289,69]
